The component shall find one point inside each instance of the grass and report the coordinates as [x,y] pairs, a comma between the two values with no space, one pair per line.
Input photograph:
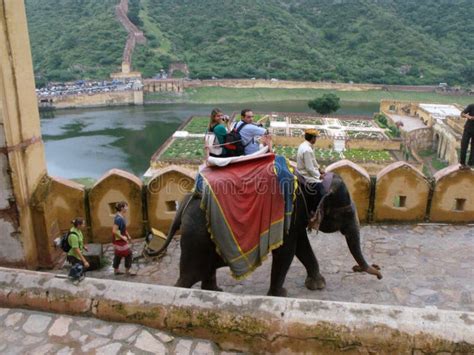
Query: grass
[189,149]
[217,95]
[197,125]
[438,164]
[363,155]
[426,153]
[193,149]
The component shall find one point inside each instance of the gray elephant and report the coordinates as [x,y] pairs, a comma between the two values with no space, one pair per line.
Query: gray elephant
[199,259]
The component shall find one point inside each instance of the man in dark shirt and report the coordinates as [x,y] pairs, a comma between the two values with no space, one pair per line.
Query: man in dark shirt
[467,137]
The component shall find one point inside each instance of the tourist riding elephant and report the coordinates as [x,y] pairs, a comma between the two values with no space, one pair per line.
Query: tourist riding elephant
[199,259]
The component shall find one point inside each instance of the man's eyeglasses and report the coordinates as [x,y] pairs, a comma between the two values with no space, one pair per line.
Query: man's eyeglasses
[248,116]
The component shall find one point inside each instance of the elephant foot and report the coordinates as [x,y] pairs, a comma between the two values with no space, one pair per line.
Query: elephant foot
[315,283]
[213,288]
[210,285]
[371,269]
[282,292]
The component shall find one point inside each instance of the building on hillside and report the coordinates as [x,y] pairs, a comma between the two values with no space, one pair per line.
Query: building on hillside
[427,126]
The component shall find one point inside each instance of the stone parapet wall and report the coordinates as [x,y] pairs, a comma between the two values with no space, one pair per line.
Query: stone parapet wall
[163,85]
[113,187]
[399,193]
[288,84]
[247,323]
[419,139]
[115,98]
[281,84]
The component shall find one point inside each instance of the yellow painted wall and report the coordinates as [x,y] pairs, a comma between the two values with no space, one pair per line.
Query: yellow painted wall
[357,181]
[22,133]
[400,179]
[115,186]
[170,185]
[451,184]
[68,199]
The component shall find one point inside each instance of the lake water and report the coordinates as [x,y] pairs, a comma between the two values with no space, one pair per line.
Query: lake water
[88,142]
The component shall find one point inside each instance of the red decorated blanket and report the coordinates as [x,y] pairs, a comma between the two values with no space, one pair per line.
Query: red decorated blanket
[245,209]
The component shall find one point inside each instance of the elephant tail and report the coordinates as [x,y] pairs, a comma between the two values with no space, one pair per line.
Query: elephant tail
[173,229]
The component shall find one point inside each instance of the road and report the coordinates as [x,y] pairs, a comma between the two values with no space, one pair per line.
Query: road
[422,265]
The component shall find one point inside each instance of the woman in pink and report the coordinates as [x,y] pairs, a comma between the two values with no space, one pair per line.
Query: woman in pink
[121,240]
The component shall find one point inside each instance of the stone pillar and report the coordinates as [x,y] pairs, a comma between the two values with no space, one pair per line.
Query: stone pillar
[138,97]
[126,68]
[22,161]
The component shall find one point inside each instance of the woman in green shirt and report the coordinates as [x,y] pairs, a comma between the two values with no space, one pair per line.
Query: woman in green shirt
[217,125]
[76,241]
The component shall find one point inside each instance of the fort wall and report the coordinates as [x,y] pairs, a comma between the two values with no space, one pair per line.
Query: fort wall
[115,98]
[22,160]
[163,85]
[289,84]
[399,193]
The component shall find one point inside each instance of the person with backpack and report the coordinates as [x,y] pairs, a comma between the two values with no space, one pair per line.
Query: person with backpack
[249,131]
[75,255]
[216,134]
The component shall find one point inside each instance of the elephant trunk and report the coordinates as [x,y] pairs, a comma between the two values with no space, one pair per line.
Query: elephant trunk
[352,235]
[353,242]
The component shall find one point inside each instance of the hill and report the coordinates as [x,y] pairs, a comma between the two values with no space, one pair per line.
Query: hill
[74,39]
[389,41]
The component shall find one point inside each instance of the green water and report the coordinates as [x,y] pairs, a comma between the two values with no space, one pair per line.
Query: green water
[88,142]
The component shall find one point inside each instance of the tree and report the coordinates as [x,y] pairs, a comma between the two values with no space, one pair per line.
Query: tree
[326,104]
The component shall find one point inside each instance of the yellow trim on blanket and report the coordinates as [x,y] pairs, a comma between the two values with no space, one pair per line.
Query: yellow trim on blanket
[253,267]
[243,255]
[225,220]
[258,245]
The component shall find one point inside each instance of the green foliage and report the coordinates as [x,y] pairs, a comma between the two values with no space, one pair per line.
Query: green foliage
[326,104]
[73,39]
[391,42]
[438,164]
[364,155]
[219,95]
[426,153]
[133,12]
[381,120]
[184,148]
[393,132]
[197,125]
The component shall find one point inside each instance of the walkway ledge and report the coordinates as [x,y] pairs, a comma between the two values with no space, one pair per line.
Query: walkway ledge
[247,323]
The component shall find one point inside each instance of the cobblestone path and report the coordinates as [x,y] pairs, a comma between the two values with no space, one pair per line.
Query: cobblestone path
[422,265]
[29,332]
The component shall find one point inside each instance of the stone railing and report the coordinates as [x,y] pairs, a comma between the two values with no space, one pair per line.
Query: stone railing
[248,323]
[399,193]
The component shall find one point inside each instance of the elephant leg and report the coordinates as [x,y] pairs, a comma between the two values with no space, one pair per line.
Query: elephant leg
[187,280]
[305,254]
[352,234]
[282,258]
[210,283]
[193,266]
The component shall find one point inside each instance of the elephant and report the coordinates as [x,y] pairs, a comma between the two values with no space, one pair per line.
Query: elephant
[199,259]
